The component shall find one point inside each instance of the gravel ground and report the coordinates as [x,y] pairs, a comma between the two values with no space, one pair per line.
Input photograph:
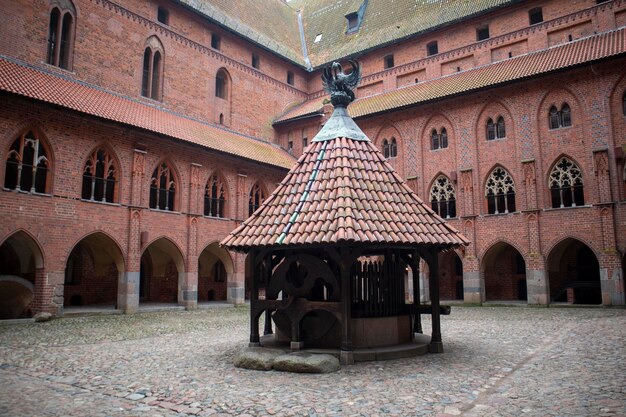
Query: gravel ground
[498,361]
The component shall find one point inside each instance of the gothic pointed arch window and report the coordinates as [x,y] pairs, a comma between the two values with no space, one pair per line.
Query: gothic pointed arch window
[163,188]
[434,139]
[386,148]
[566,184]
[439,140]
[491,129]
[257,195]
[222,84]
[100,177]
[61,34]
[214,197]
[27,164]
[500,128]
[393,148]
[500,192]
[443,197]
[560,118]
[152,74]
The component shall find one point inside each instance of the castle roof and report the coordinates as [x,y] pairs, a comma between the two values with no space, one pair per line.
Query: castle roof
[342,190]
[19,78]
[560,57]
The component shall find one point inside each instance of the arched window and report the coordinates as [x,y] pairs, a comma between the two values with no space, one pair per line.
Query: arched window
[624,104]
[256,198]
[434,139]
[221,85]
[214,197]
[99,177]
[500,128]
[442,197]
[560,118]
[27,165]
[60,35]
[443,138]
[566,116]
[491,129]
[162,188]
[221,118]
[500,192]
[393,148]
[151,82]
[566,184]
[386,149]
[439,140]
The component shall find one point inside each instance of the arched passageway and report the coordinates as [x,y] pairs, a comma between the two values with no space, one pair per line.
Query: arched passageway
[92,272]
[505,274]
[450,276]
[21,261]
[574,273]
[215,267]
[161,272]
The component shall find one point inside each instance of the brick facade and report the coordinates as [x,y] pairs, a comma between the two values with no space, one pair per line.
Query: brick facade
[130,253]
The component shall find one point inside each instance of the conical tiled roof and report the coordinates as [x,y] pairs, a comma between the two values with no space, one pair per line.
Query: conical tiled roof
[342,190]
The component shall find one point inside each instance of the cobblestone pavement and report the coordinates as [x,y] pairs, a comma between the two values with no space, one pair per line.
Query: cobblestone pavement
[498,361]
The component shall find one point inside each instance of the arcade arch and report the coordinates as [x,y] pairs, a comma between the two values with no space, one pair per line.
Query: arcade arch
[21,261]
[574,273]
[161,272]
[215,269]
[504,270]
[93,270]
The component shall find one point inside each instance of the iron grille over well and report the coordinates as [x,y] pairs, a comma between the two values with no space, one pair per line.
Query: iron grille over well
[331,247]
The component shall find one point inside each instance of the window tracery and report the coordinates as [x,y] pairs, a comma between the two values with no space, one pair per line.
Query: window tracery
[99,177]
[214,197]
[439,140]
[257,195]
[151,83]
[443,197]
[386,149]
[60,35]
[162,188]
[27,164]
[500,192]
[566,184]
[560,118]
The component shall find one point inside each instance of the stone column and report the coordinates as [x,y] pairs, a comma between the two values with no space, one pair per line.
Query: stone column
[473,281]
[128,283]
[236,293]
[188,293]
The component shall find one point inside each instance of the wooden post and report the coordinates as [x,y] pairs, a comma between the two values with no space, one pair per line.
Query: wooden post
[268,322]
[251,261]
[417,317]
[346,355]
[436,345]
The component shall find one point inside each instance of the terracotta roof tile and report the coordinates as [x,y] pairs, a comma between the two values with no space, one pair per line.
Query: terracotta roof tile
[25,80]
[592,48]
[320,201]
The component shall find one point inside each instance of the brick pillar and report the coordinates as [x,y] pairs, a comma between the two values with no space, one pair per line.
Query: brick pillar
[467,193]
[236,281]
[195,191]
[473,281]
[530,184]
[128,284]
[601,170]
[611,273]
[188,293]
[48,295]
[536,280]
[139,162]
[241,197]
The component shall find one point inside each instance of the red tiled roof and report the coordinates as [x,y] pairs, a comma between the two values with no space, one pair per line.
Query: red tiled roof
[559,57]
[38,84]
[342,190]
[307,108]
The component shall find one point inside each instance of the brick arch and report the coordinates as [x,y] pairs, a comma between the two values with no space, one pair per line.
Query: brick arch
[556,242]
[437,175]
[31,242]
[209,287]
[500,272]
[20,129]
[99,234]
[177,179]
[154,42]
[495,242]
[488,173]
[387,131]
[433,123]
[618,89]
[493,110]
[174,251]
[557,97]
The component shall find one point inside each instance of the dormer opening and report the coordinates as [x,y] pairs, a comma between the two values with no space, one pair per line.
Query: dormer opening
[354,18]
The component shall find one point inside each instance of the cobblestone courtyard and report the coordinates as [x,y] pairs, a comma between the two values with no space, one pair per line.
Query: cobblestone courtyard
[499,361]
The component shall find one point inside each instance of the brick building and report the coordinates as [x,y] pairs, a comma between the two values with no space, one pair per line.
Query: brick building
[137,134]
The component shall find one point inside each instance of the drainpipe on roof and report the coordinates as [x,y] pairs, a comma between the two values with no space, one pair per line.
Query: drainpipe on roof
[305,53]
